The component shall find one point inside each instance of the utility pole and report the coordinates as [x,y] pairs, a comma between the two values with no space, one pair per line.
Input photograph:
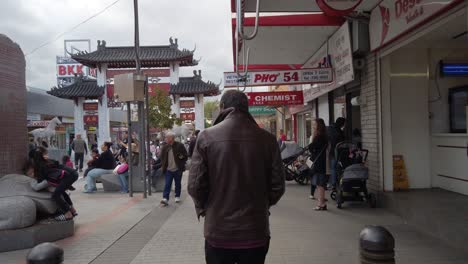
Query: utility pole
[142,115]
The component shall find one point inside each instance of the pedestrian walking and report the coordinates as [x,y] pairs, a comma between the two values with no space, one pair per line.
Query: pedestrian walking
[317,150]
[173,159]
[80,148]
[235,177]
[335,136]
[193,141]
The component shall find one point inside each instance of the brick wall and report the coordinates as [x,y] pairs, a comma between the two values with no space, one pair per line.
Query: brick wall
[13,132]
[370,121]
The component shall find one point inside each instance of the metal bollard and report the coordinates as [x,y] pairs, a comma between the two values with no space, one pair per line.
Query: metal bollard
[45,253]
[376,246]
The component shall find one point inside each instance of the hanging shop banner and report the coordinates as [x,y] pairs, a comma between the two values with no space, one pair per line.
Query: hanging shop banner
[275,98]
[261,110]
[392,19]
[338,7]
[187,104]
[287,77]
[339,48]
[91,119]
[337,53]
[187,116]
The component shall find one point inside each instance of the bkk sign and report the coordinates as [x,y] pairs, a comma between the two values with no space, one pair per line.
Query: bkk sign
[261,110]
[338,7]
[187,116]
[275,98]
[287,77]
[394,18]
[67,67]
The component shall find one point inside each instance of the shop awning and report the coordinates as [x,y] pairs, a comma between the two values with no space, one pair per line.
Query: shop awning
[285,42]
[293,5]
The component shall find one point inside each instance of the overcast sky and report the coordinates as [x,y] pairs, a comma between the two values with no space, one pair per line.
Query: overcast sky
[205,24]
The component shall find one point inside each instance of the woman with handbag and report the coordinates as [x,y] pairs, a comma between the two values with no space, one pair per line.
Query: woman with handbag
[317,150]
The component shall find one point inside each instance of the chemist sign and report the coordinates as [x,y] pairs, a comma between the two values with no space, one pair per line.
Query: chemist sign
[275,98]
[287,77]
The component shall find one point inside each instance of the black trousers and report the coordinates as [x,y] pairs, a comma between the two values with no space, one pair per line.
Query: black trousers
[79,157]
[60,195]
[235,256]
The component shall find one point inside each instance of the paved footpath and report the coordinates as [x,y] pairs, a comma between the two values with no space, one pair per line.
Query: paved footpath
[115,229]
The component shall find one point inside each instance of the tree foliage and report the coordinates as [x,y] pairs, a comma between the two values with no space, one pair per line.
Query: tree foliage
[210,107]
[160,115]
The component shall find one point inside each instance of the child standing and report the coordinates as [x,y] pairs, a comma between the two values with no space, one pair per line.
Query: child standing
[61,177]
[67,162]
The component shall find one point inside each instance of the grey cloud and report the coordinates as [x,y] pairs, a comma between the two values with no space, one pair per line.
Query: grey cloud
[205,24]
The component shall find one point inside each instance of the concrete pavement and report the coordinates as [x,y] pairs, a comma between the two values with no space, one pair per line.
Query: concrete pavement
[113,228]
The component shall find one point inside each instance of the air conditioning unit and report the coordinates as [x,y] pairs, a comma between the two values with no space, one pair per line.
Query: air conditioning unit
[129,87]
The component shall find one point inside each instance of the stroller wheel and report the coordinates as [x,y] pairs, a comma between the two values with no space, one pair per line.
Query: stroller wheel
[339,199]
[372,200]
[302,180]
[333,195]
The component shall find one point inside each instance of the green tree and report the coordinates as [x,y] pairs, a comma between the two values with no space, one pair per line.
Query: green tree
[210,107]
[160,115]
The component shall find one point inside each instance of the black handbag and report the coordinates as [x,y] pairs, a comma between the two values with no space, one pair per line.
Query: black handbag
[312,170]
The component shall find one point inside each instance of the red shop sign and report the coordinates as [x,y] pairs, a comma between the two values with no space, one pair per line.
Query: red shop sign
[276,98]
[187,104]
[91,119]
[90,106]
[187,116]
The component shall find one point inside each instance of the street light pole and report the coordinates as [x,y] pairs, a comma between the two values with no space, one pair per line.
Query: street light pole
[141,104]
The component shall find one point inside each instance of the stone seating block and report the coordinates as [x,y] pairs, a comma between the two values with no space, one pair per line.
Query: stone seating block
[15,185]
[43,231]
[110,182]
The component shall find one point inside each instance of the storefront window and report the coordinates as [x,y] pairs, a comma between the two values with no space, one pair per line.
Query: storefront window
[339,106]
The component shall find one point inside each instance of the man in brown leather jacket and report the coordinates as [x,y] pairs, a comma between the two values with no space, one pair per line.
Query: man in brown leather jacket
[173,159]
[236,175]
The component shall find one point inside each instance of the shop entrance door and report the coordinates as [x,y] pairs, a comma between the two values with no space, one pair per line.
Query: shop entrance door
[353,118]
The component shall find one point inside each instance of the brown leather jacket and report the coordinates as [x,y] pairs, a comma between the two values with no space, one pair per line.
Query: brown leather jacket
[180,156]
[236,175]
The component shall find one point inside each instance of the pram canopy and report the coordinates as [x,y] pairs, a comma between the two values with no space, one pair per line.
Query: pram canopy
[290,149]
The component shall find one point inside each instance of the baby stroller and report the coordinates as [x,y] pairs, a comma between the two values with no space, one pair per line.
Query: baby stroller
[352,175]
[294,161]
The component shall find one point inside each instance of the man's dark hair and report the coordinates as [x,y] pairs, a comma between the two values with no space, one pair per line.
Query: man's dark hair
[340,122]
[236,99]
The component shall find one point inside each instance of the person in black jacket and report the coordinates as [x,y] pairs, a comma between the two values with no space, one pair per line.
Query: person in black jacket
[317,150]
[193,141]
[49,173]
[105,164]
[335,136]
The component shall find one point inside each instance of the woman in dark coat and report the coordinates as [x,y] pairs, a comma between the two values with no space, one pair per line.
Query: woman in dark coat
[318,153]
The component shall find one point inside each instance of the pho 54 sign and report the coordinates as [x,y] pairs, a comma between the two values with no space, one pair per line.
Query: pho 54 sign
[275,98]
[265,78]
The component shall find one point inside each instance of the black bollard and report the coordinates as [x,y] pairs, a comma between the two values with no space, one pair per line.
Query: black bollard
[377,246]
[45,253]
